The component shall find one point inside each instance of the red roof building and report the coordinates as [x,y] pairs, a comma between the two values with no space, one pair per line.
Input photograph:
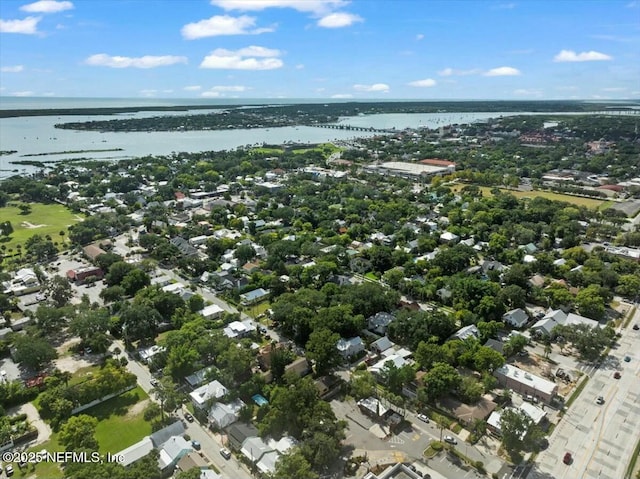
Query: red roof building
[437,162]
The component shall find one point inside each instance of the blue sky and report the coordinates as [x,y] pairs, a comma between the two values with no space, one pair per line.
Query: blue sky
[360,49]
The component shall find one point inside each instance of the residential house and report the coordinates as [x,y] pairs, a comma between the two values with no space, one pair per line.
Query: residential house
[449,238]
[172,451]
[351,347]
[379,322]
[239,329]
[254,296]
[465,332]
[238,433]
[196,379]
[518,318]
[194,460]
[213,390]
[185,248]
[222,415]
[254,449]
[381,345]
[212,311]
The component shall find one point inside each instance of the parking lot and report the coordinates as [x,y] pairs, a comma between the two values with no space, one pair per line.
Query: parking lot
[599,437]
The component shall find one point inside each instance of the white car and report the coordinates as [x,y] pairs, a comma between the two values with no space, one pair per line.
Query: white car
[450,440]
[423,417]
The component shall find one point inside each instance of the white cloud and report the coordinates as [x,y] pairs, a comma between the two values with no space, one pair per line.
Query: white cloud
[571,56]
[614,89]
[567,88]
[447,72]
[527,92]
[210,94]
[372,88]
[47,6]
[147,61]
[222,25]
[23,93]
[419,36]
[502,72]
[27,26]
[299,66]
[318,7]
[427,82]
[13,69]
[342,95]
[339,20]
[192,88]
[249,58]
[225,88]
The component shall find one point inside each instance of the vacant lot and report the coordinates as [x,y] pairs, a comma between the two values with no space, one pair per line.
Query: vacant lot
[43,220]
[576,200]
[120,425]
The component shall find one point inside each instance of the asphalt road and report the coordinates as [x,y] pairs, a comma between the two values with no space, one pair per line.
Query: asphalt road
[600,438]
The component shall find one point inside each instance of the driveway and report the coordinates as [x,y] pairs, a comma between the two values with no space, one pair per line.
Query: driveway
[44,431]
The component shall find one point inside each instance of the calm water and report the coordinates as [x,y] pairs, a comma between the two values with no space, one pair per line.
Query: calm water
[33,135]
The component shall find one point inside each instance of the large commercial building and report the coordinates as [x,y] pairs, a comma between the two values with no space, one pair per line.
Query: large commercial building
[409,170]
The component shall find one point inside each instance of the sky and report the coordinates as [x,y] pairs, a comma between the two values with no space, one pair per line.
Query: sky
[324,49]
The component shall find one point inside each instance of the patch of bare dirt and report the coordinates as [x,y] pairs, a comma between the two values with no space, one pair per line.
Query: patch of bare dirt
[137,408]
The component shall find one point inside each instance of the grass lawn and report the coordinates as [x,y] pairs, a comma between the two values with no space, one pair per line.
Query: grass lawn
[325,148]
[576,200]
[120,425]
[256,310]
[267,151]
[52,219]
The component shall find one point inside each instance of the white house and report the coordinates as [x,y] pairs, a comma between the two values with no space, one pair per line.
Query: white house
[223,415]
[213,311]
[350,347]
[24,281]
[239,329]
[212,390]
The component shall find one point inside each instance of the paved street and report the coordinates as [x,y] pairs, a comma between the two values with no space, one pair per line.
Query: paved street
[601,438]
[210,444]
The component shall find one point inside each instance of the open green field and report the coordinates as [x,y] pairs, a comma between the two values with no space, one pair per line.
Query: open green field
[324,148]
[575,200]
[123,414]
[120,425]
[43,220]
[267,151]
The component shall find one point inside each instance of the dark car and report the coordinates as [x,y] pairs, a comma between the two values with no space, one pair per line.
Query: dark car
[196,445]
[636,327]
[567,458]
[188,417]
[616,375]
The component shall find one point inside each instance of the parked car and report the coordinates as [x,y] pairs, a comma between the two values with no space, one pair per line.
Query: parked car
[530,398]
[627,359]
[423,417]
[188,417]
[226,453]
[154,382]
[567,458]
[617,375]
[450,440]
[599,400]
[636,326]
[196,445]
